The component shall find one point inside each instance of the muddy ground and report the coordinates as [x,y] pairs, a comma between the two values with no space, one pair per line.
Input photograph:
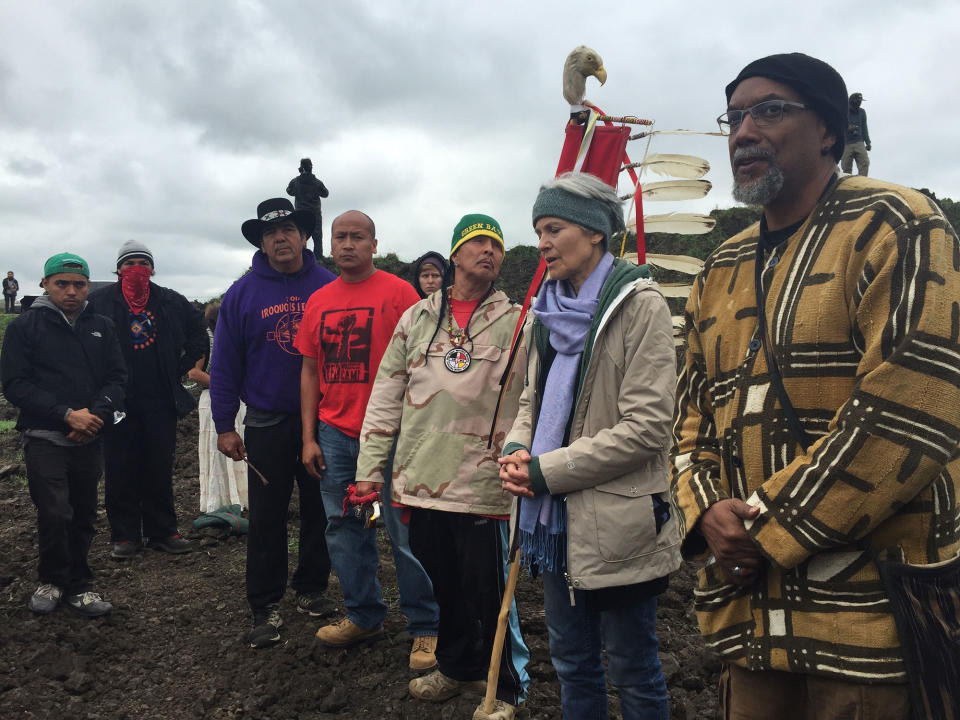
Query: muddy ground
[172,648]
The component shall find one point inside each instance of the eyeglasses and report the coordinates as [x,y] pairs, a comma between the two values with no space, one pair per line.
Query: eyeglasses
[764,114]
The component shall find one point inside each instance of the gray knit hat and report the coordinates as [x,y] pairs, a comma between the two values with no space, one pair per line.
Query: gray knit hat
[586,212]
[132,249]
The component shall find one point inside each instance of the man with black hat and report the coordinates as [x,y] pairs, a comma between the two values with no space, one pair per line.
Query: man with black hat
[62,367]
[257,362]
[162,337]
[307,189]
[857,138]
[817,411]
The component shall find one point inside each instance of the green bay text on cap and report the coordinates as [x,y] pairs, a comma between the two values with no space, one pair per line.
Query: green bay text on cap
[472,225]
[66,263]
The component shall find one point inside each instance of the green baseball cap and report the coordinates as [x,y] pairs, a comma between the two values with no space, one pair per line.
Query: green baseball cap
[66,263]
[472,225]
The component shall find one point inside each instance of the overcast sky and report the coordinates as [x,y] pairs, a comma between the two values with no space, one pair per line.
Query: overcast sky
[169,121]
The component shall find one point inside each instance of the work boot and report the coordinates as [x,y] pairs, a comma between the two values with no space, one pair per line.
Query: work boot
[422,655]
[315,605]
[174,545]
[45,599]
[88,604]
[266,627]
[345,633]
[124,550]
[437,687]
[501,711]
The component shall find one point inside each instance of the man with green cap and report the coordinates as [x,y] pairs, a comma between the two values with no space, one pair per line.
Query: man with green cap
[62,367]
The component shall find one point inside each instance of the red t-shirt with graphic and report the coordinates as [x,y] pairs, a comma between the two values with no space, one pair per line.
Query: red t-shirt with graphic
[346,327]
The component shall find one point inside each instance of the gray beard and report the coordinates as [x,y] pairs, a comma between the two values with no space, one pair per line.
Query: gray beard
[761,190]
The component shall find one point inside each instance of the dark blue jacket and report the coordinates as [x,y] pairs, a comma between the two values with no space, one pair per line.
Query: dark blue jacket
[48,367]
[257,324]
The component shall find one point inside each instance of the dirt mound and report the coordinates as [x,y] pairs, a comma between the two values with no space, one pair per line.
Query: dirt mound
[173,646]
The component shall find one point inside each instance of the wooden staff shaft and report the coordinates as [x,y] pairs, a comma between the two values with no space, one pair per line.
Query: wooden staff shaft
[493,674]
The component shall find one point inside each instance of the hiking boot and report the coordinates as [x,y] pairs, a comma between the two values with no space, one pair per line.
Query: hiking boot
[437,687]
[124,550]
[501,711]
[88,604]
[344,633]
[45,599]
[422,655]
[315,605]
[174,544]
[266,628]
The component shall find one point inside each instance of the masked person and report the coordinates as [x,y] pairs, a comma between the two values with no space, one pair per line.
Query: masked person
[62,367]
[435,393]
[162,338]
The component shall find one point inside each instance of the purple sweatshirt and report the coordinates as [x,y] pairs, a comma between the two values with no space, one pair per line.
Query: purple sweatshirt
[255,359]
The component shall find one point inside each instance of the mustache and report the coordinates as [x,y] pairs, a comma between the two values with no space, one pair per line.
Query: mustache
[751,152]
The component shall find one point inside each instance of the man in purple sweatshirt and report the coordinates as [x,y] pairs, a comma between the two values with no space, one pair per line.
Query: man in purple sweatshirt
[255,361]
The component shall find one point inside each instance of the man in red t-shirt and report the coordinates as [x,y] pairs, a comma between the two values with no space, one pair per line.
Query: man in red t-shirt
[344,332]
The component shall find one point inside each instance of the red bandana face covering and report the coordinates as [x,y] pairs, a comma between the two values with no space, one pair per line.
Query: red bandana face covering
[135,285]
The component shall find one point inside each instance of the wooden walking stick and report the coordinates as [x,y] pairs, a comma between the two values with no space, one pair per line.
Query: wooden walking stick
[493,674]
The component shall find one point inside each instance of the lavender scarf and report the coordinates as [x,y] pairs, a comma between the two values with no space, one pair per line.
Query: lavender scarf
[568,316]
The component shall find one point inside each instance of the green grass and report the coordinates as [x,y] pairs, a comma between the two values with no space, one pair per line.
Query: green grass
[7,425]
[5,319]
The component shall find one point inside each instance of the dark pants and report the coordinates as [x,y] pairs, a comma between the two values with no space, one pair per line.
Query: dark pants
[63,486]
[464,557]
[138,456]
[275,451]
[8,303]
[318,236]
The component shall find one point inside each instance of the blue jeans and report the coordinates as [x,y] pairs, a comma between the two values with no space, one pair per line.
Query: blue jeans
[353,548]
[629,636]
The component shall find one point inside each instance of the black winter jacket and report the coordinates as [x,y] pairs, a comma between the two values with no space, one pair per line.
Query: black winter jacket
[48,367]
[181,337]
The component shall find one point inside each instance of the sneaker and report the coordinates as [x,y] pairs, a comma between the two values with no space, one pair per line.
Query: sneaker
[124,550]
[88,604]
[437,687]
[174,544]
[344,633]
[266,628]
[315,605]
[45,599]
[422,654]
[501,711]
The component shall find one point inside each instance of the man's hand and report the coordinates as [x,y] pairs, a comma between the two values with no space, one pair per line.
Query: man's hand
[84,421]
[515,473]
[231,444]
[868,147]
[365,487]
[312,457]
[722,526]
[79,437]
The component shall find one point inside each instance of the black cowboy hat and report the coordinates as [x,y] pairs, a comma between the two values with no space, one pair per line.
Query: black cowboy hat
[273,211]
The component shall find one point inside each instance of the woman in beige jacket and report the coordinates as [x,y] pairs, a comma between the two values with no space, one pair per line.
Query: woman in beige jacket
[587,454]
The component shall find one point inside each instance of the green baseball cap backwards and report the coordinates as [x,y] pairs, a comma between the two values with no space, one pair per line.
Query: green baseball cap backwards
[472,225]
[66,263]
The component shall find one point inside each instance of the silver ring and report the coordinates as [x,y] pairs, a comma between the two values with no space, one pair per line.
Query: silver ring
[736,570]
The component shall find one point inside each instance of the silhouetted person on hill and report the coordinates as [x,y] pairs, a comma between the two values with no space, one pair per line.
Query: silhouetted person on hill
[857,138]
[307,190]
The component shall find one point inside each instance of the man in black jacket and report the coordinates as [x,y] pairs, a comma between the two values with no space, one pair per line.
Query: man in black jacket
[62,367]
[162,337]
[306,190]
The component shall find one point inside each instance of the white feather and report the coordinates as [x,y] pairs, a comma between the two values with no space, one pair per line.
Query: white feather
[677,223]
[676,190]
[689,167]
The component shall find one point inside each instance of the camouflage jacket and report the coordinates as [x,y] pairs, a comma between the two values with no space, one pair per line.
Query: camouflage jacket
[441,418]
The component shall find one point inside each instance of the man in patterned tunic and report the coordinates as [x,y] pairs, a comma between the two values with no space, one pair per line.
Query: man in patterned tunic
[859,284]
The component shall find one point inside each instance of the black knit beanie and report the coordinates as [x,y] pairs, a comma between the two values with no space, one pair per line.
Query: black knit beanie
[820,85]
